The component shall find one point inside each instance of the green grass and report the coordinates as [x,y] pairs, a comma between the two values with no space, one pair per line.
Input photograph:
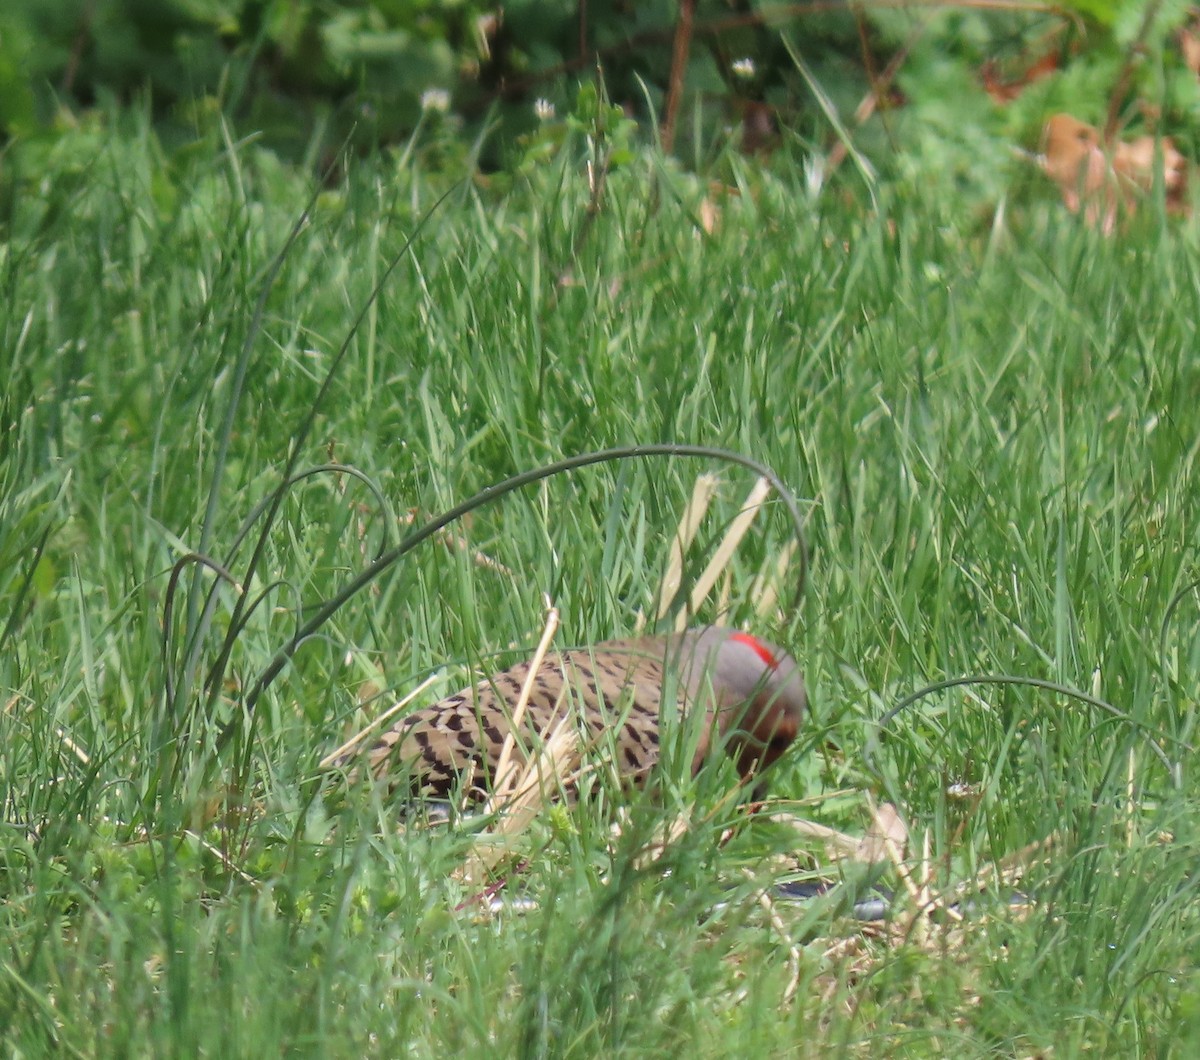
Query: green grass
[994,435]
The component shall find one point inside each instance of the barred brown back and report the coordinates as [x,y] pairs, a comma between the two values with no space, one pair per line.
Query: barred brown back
[753,690]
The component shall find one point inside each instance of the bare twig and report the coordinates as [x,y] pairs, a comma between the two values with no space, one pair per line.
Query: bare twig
[679,59]
[1137,48]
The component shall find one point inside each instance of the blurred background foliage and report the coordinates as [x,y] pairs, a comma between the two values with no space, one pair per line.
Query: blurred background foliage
[936,87]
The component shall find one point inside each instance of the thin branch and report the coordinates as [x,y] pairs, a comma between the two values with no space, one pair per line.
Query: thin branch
[679,60]
[1137,48]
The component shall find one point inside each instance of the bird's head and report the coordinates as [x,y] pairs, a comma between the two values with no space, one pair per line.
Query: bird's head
[757,692]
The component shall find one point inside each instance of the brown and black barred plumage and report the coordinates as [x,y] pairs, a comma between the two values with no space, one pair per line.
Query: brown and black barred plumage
[751,689]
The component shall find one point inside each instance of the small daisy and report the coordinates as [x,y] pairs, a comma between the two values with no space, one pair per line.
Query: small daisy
[435,99]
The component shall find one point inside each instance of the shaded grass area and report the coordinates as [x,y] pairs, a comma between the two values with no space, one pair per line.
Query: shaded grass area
[994,434]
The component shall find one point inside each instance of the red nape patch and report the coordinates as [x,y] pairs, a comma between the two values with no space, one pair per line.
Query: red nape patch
[760,649]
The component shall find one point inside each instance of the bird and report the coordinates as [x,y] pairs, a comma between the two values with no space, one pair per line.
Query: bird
[751,693]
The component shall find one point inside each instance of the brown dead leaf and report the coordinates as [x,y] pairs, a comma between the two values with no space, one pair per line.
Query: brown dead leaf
[1189,46]
[1101,181]
[1072,158]
[1136,160]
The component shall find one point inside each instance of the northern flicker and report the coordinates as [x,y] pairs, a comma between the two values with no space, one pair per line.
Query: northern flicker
[751,693]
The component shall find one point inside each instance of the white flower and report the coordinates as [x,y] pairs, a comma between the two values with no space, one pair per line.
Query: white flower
[544,109]
[744,68]
[436,99]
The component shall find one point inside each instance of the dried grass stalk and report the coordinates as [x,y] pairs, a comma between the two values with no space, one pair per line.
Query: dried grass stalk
[359,737]
[726,549]
[703,492]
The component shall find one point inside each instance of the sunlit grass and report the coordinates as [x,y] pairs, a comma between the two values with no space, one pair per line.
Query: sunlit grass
[991,434]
